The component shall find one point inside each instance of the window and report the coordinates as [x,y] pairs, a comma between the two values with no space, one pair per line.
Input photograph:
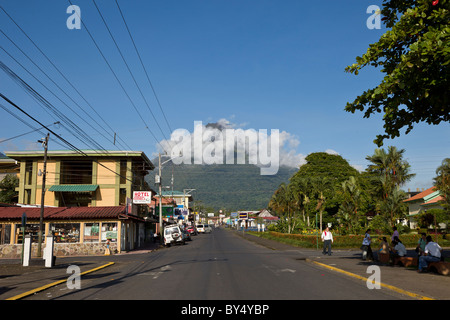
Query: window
[27,196]
[123,171]
[122,196]
[109,232]
[28,172]
[91,232]
[30,229]
[5,233]
[76,172]
[66,232]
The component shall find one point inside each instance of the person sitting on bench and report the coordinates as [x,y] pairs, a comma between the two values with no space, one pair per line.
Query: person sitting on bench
[432,253]
[398,249]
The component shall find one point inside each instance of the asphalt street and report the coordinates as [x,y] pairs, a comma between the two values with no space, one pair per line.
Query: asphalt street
[219,266]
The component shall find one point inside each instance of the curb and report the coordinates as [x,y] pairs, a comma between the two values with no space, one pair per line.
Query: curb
[387,286]
[30,292]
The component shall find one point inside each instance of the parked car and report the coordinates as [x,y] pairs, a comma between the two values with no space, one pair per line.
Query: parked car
[173,235]
[192,230]
[200,228]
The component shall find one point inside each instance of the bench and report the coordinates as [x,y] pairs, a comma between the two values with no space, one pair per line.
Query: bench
[440,267]
[406,261]
[383,257]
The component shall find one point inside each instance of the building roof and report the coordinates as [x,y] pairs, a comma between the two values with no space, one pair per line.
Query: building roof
[65,213]
[433,201]
[422,195]
[73,188]
[91,153]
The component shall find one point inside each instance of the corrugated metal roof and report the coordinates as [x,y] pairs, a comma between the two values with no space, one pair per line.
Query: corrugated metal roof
[7,213]
[74,188]
[64,213]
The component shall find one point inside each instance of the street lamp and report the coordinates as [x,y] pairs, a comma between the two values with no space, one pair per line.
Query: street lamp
[158,181]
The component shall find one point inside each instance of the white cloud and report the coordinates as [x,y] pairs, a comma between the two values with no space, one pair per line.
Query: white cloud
[214,143]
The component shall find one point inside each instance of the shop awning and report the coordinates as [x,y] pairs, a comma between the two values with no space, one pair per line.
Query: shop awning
[74,188]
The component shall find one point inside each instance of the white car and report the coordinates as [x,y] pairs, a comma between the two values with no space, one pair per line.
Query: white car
[204,228]
[208,228]
[173,235]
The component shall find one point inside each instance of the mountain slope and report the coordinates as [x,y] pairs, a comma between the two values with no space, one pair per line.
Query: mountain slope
[230,187]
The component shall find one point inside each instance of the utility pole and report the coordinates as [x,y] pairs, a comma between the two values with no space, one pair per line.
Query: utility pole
[160,203]
[41,218]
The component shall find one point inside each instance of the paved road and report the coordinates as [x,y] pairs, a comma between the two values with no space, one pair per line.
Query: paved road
[217,266]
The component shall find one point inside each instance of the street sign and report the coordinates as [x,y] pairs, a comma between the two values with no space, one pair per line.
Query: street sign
[243,215]
[24,220]
[142,197]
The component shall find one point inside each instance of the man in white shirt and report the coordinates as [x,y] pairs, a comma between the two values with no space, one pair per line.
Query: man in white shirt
[432,254]
[399,248]
[327,239]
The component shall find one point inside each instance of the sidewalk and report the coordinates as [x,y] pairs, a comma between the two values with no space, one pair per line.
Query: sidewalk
[349,263]
[16,280]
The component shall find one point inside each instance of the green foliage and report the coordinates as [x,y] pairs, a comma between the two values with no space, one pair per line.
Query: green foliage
[343,242]
[442,183]
[415,57]
[8,193]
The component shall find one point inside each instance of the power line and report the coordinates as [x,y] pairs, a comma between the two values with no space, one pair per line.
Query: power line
[128,68]
[143,66]
[71,146]
[117,78]
[50,107]
[62,74]
[23,134]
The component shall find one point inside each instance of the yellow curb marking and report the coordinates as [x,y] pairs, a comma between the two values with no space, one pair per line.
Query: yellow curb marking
[411,294]
[20,296]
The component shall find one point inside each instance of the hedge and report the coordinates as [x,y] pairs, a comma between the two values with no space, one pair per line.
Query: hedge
[348,241]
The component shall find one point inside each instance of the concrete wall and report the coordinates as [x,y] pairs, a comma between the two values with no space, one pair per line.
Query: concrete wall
[14,251]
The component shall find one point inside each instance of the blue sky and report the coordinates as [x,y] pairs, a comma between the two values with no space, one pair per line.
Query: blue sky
[260,64]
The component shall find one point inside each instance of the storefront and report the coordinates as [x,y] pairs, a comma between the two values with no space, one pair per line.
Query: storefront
[76,231]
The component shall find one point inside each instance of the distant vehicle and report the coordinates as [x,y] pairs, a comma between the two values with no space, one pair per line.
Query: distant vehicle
[173,235]
[192,230]
[201,228]
[208,228]
[186,235]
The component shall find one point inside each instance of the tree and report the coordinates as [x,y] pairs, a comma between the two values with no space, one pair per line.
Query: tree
[8,193]
[415,58]
[349,212]
[389,172]
[390,168]
[442,183]
[318,180]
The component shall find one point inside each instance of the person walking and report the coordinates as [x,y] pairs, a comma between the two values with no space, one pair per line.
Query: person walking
[367,250]
[395,234]
[432,253]
[327,239]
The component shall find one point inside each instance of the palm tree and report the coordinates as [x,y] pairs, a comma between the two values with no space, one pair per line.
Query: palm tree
[348,211]
[392,172]
[393,207]
[442,182]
